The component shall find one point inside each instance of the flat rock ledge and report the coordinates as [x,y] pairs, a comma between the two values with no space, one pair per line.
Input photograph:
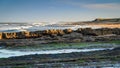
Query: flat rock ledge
[59,36]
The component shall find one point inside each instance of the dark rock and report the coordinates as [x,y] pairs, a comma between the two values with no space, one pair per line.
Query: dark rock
[67,31]
[73,35]
[88,39]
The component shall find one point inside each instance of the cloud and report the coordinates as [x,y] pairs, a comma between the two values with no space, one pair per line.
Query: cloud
[102,6]
[94,5]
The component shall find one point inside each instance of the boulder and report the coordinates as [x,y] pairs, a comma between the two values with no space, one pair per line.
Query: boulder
[73,35]
[26,34]
[35,34]
[10,35]
[79,30]
[87,31]
[20,35]
[67,31]
[116,31]
[60,32]
[1,35]
[53,31]
[96,32]
[88,39]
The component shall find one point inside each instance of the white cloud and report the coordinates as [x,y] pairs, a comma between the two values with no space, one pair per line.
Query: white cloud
[94,5]
[102,6]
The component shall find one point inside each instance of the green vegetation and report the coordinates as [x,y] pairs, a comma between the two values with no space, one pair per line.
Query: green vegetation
[81,61]
[116,42]
[54,46]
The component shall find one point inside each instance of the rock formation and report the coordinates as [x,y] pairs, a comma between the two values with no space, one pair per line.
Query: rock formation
[53,31]
[1,35]
[67,31]
[62,33]
[107,20]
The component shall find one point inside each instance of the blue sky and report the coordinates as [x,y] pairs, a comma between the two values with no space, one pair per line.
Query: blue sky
[57,10]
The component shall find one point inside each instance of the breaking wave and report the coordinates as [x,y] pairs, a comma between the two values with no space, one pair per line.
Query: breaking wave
[37,26]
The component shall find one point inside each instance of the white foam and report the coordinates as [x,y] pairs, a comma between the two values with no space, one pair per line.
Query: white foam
[4,53]
[39,26]
[13,27]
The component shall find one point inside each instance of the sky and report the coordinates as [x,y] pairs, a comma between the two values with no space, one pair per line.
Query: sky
[57,10]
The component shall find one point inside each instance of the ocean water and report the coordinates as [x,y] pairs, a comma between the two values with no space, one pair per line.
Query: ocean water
[17,27]
[5,53]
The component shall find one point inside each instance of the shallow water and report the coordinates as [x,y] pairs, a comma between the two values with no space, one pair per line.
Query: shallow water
[5,53]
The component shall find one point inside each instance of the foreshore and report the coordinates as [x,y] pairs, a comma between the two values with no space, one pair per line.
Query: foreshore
[58,39]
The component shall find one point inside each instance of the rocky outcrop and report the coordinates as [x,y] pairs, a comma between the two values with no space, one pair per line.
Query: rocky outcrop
[97,32]
[104,21]
[116,31]
[67,31]
[9,35]
[53,32]
[1,35]
[107,20]
[57,36]
[87,31]
[58,32]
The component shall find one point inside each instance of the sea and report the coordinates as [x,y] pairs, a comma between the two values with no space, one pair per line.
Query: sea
[17,27]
